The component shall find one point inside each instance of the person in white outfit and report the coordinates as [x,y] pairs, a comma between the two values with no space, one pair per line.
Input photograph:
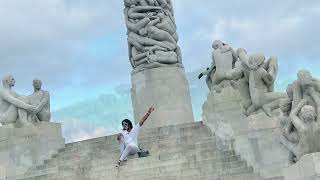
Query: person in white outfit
[128,138]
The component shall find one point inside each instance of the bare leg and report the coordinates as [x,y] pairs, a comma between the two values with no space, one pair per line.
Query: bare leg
[23,117]
[44,115]
[251,110]
[245,93]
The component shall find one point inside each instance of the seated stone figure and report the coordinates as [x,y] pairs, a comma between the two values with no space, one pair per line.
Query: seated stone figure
[14,109]
[223,61]
[254,75]
[41,99]
[259,82]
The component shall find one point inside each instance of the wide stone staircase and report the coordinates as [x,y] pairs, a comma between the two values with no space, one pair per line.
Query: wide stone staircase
[187,151]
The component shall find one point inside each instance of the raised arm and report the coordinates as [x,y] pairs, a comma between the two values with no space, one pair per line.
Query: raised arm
[15,101]
[266,77]
[146,116]
[315,97]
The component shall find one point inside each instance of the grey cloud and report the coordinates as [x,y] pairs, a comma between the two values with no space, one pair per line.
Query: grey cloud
[284,28]
[48,39]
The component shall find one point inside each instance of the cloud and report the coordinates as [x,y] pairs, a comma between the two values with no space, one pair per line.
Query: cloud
[50,39]
[79,46]
[283,28]
[76,130]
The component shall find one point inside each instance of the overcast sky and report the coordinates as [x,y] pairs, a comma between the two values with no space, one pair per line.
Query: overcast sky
[79,49]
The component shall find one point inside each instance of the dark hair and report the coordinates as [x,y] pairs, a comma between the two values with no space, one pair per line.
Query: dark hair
[129,123]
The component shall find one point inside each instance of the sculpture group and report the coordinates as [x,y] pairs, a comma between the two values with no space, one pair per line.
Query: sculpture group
[254,77]
[20,111]
[251,74]
[152,36]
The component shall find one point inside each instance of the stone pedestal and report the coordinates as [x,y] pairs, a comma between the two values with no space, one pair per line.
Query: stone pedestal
[223,113]
[21,148]
[255,138]
[267,155]
[165,88]
[308,168]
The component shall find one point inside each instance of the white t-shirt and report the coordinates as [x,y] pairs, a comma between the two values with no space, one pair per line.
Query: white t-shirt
[131,137]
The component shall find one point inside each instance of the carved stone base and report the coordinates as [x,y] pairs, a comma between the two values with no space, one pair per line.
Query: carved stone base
[21,148]
[254,138]
[308,168]
[165,88]
[268,155]
[223,113]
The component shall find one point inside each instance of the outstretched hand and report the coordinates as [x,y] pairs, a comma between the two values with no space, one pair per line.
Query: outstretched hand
[151,109]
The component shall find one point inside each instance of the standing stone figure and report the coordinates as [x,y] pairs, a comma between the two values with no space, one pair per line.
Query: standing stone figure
[14,109]
[152,36]
[41,99]
[223,61]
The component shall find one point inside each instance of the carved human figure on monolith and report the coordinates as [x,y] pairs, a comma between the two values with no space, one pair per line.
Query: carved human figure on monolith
[41,99]
[223,61]
[152,36]
[14,109]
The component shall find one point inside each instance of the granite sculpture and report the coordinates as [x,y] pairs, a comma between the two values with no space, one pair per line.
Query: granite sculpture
[256,79]
[19,111]
[41,99]
[299,122]
[223,61]
[152,36]
[14,109]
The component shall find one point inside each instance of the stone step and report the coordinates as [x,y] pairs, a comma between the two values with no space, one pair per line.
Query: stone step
[152,132]
[153,147]
[275,178]
[161,157]
[190,173]
[152,141]
[171,170]
[189,152]
[140,162]
[115,154]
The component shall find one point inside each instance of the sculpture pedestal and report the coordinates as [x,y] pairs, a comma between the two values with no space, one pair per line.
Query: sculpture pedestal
[268,155]
[223,113]
[21,148]
[254,138]
[165,88]
[307,168]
